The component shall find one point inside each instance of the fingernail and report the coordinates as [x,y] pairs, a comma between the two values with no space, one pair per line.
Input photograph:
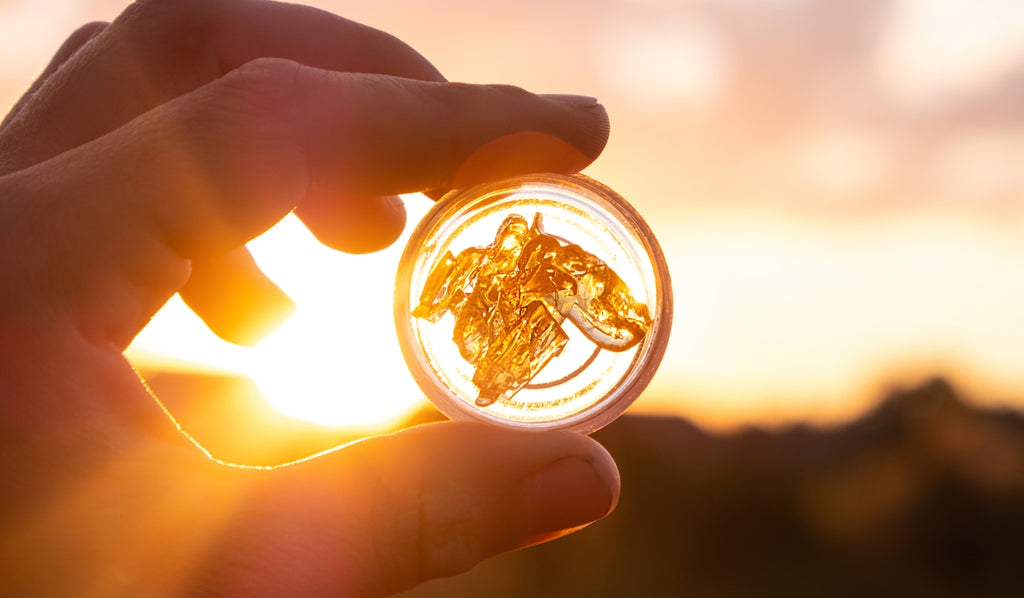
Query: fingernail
[566,495]
[575,100]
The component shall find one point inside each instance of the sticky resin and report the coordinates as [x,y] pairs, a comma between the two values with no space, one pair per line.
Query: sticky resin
[539,302]
[509,300]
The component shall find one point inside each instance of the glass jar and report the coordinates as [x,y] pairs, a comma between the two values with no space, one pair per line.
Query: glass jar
[537,302]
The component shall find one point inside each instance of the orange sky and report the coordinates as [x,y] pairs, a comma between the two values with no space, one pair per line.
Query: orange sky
[834,183]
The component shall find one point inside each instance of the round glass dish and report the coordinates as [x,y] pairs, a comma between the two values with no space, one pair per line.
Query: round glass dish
[538,302]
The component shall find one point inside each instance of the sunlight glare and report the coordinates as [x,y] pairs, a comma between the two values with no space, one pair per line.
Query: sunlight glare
[336,361]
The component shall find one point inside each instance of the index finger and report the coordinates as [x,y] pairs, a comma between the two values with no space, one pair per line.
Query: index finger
[207,172]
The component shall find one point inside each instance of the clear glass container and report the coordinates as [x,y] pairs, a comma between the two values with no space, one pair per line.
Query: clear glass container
[594,267]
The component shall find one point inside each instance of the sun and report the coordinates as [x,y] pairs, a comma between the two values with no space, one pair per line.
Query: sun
[335,361]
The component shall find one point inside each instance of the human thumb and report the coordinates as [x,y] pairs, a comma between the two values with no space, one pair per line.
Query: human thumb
[388,513]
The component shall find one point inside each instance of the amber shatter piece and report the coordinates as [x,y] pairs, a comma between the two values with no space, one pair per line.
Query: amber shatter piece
[516,357]
[510,298]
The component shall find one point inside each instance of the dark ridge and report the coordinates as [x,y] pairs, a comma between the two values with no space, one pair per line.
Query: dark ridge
[922,496]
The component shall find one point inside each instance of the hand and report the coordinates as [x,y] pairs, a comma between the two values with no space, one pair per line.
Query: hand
[138,164]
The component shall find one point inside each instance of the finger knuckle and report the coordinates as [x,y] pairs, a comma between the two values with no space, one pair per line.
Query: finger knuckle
[449,538]
[172,31]
[86,32]
[163,9]
[268,84]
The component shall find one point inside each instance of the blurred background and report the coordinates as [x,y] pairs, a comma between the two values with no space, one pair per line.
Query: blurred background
[837,188]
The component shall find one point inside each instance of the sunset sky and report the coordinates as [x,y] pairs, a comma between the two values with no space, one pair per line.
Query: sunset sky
[837,187]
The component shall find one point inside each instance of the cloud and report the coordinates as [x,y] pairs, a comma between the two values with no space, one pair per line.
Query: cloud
[856,104]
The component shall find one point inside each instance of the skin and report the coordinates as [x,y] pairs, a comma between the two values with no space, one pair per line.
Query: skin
[137,166]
